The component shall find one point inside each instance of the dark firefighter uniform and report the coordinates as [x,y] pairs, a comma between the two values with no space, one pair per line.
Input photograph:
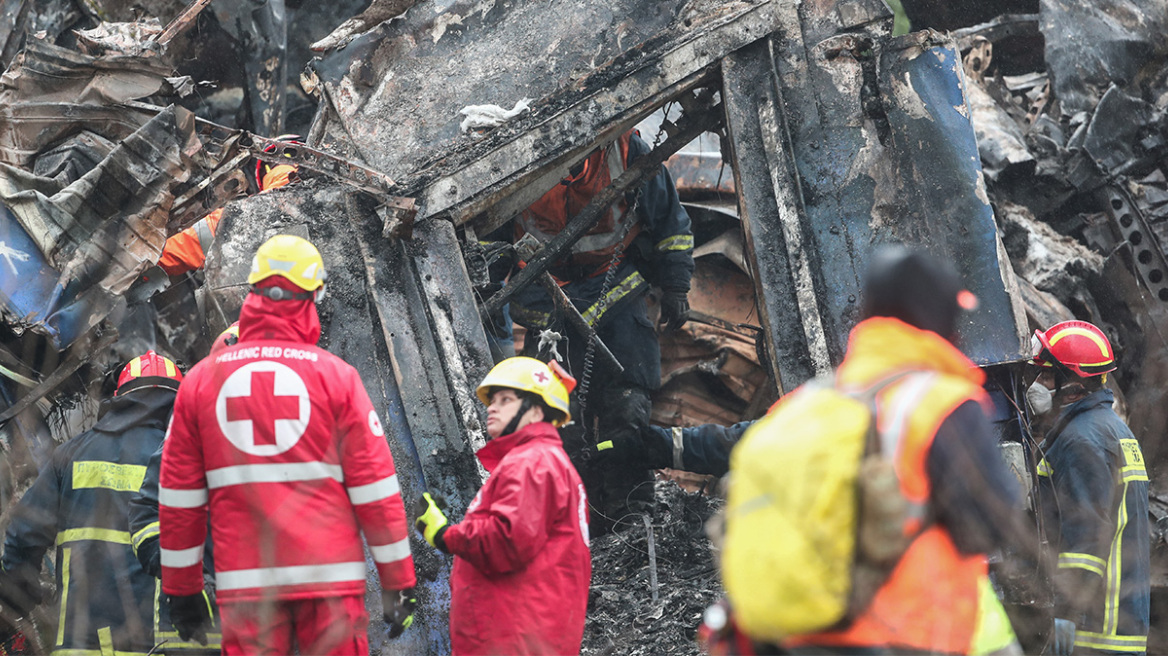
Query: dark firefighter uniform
[1093,491]
[657,250]
[78,504]
[651,230]
[144,530]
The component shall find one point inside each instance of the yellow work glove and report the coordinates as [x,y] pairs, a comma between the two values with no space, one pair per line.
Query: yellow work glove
[431,522]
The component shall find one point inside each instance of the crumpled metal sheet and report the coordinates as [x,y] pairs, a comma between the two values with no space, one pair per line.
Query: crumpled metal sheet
[131,39]
[53,92]
[1091,44]
[88,182]
[1000,141]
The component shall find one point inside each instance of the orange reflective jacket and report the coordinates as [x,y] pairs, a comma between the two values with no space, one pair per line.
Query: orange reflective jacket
[546,217]
[187,251]
[930,600]
[278,176]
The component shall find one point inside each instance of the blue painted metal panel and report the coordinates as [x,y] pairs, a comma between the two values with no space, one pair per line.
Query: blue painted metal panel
[897,162]
[29,290]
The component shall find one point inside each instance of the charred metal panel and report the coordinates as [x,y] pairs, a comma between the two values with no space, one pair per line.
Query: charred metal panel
[401,313]
[942,203]
[881,149]
[753,106]
[594,67]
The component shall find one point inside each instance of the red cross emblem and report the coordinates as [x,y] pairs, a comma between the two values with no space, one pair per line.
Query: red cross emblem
[263,408]
[540,377]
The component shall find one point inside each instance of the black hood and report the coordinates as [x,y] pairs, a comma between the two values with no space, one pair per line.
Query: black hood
[916,288]
[148,407]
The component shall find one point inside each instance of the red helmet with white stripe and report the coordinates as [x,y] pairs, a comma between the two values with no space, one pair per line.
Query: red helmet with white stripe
[1076,345]
[149,370]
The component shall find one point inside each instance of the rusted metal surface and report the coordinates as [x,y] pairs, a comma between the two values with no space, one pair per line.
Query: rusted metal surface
[700,174]
[182,22]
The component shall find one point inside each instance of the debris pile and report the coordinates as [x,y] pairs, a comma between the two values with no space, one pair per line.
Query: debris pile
[636,609]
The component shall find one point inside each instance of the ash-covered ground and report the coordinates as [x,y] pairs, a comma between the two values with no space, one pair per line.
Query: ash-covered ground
[622,616]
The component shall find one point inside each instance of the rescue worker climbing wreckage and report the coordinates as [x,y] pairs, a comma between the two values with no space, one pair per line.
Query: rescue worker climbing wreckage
[1093,492]
[278,441]
[78,504]
[644,239]
[187,250]
[144,531]
[521,561]
[901,492]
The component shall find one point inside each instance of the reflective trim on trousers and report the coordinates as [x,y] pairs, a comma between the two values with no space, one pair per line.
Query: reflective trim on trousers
[1111,642]
[1094,564]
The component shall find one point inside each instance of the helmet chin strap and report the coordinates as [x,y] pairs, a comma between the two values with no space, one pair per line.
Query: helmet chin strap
[513,425]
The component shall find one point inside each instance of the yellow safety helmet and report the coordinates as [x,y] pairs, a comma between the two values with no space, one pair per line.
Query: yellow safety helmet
[549,382]
[291,257]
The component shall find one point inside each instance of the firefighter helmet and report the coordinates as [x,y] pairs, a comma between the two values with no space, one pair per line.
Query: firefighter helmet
[549,382]
[262,167]
[148,370]
[1076,345]
[229,337]
[289,257]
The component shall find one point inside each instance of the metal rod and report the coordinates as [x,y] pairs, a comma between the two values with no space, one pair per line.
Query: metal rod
[576,320]
[652,558]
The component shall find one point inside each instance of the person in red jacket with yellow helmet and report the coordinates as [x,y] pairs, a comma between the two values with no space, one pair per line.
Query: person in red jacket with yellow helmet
[278,441]
[521,560]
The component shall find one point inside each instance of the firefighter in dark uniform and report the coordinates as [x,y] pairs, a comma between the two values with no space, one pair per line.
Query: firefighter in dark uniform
[79,503]
[144,538]
[643,240]
[1093,491]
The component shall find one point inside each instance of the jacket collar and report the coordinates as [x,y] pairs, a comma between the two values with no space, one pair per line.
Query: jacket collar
[148,407]
[289,321]
[1095,399]
[881,346]
[495,450]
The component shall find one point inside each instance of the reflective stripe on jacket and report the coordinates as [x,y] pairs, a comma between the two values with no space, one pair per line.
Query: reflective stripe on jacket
[144,529]
[930,601]
[521,561]
[187,251]
[78,505]
[279,441]
[1093,490]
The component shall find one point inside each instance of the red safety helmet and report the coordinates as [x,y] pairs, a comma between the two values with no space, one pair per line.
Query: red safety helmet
[149,370]
[1076,345]
[229,337]
[262,167]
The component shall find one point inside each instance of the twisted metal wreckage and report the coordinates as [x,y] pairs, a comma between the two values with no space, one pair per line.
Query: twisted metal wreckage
[839,136]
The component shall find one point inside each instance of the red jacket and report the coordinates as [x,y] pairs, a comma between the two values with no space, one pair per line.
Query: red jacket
[521,566]
[281,439]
